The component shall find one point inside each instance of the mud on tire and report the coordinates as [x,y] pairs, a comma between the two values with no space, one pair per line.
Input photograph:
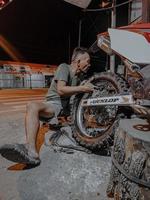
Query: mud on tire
[94,127]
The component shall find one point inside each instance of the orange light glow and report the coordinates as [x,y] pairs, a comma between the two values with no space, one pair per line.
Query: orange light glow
[10,50]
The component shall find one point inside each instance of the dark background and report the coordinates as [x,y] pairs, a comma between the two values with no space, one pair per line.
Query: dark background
[47,31]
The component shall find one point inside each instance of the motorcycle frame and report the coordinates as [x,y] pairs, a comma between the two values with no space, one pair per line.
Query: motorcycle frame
[131,71]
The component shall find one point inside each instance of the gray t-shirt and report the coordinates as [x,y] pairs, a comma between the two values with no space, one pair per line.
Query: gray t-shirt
[63,73]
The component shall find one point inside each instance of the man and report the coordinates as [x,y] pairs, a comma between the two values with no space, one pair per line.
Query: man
[64,84]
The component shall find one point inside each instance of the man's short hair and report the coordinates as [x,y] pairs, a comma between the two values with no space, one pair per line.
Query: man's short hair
[77,51]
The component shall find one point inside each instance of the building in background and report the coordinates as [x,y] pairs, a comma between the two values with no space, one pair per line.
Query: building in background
[25,75]
[136,11]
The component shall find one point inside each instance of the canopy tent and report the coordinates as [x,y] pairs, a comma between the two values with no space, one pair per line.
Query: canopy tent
[79,3]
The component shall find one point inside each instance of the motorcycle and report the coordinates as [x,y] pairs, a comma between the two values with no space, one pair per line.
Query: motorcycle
[95,116]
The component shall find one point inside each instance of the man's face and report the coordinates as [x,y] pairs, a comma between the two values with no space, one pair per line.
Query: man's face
[83,63]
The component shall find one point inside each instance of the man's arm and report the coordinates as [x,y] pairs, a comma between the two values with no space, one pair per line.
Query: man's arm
[64,90]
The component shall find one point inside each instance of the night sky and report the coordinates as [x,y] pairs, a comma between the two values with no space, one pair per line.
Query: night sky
[47,31]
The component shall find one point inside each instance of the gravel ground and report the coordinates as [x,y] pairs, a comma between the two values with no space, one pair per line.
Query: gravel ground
[61,176]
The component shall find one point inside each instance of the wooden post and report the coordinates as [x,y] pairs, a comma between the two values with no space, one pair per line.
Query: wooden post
[145,11]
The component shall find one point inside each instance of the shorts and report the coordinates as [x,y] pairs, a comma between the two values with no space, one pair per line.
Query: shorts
[56,105]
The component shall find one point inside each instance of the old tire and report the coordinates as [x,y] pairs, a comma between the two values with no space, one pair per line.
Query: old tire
[94,127]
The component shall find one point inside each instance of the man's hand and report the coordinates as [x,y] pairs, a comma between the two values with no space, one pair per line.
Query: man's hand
[86,88]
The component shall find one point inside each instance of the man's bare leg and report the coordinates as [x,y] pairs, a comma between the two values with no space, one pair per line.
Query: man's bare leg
[27,153]
[32,124]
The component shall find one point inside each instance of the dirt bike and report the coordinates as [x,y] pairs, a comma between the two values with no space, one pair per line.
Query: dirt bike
[95,115]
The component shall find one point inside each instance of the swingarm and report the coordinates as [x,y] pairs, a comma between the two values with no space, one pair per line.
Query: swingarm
[120,100]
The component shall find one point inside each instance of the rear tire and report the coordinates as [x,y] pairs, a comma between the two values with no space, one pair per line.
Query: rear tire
[94,127]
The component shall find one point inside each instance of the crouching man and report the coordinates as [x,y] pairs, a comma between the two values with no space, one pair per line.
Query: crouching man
[63,86]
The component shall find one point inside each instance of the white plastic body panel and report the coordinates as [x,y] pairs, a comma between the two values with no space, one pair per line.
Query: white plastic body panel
[130,45]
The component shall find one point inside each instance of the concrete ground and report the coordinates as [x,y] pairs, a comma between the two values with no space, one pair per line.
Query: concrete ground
[60,176]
